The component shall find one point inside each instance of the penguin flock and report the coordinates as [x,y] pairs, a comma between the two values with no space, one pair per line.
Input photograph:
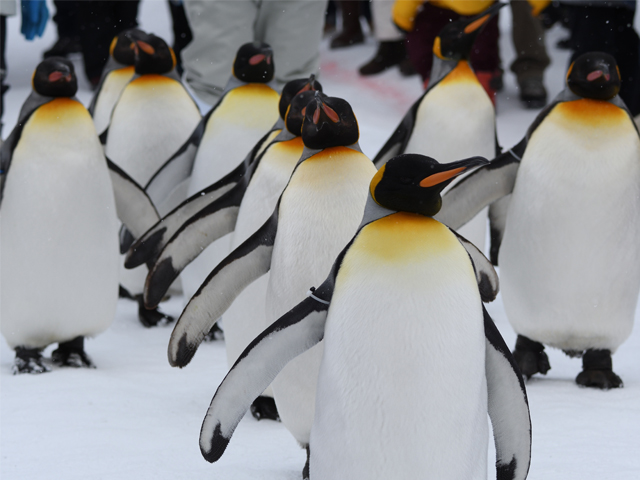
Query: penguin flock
[350,290]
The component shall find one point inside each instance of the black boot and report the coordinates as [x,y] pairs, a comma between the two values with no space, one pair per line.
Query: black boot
[72,354]
[530,357]
[28,360]
[532,92]
[305,470]
[351,33]
[597,371]
[388,55]
[264,408]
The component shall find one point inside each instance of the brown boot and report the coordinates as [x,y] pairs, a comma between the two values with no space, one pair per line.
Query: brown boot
[388,55]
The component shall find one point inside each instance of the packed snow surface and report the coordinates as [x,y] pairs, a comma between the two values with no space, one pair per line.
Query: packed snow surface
[135,417]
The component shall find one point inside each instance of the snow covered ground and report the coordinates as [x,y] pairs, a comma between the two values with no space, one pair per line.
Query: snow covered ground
[135,417]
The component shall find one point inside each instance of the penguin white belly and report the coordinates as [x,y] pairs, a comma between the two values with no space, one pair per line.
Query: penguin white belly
[244,116]
[112,87]
[150,122]
[571,249]
[246,317]
[59,244]
[402,386]
[456,120]
[320,211]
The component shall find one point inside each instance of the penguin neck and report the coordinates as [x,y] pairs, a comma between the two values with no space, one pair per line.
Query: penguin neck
[374,211]
[173,75]
[310,152]
[234,82]
[440,68]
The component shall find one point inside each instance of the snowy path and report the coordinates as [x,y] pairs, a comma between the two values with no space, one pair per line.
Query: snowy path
[134,417]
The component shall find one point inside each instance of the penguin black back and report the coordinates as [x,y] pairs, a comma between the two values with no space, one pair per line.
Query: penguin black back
[329,122]
[594,75]
[55,77]
[413,182]
[254,63]
[293,88]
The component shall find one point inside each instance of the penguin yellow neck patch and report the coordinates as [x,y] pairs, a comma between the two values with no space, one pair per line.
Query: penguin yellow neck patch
[592,113]
[152,79]
[405,237]
[462,73]
[60,108]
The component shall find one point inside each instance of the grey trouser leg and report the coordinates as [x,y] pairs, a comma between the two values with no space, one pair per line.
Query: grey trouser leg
[293,28]
[528,40]
[385,30]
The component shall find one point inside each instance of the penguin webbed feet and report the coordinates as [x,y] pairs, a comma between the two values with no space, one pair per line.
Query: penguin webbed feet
[530,357]
[264,408]
[28,360]
[72,354]
[597,371]
[152,317]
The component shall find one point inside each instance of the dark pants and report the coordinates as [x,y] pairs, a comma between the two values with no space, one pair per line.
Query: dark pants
[610,30]
[528,40]
[98,23]
[485,55]
[65,19]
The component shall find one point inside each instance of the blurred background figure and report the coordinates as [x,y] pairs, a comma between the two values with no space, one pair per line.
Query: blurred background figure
[391,43]
[350,12]
[68,36]
[293,28]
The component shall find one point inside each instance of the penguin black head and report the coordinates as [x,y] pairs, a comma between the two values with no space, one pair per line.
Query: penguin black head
[122,46]
[454,41]
[412,182]
[152,54]
[293,88]
[254,63]
[55,77]
[297,109]
[594,75]
[329,122]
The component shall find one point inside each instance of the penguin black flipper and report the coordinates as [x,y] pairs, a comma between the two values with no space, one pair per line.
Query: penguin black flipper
[487,278]
[192,238]
[148,247]
[133,206]
[508,406]
[295,332]
[31,104]
[178,168]
[481,188]
[246,263]
[397,143]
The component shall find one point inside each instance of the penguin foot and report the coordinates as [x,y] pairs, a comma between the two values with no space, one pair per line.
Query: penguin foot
[216,333]
[305,470]
[28,360]
[530,357]
[72,354]
[151,317]
[597,371]
[265,408]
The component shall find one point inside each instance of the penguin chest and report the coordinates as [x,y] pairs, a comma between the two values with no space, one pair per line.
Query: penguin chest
[109,94]
[570,251]
[152,119]
[59,231]
[402,376]
[455,119]
[243,116]
[319,213]
[266,186]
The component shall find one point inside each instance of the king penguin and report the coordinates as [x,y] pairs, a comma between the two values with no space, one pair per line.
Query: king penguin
[318,211]
[117,73]
[59,244]
[247,111]
[412,361]
[454,118]
[153,117]
[570,253]
[250,203]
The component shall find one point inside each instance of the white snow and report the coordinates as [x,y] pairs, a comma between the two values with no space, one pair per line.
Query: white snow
[135,417]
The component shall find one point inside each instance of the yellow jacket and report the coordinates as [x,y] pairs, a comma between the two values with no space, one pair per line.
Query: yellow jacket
[405,11]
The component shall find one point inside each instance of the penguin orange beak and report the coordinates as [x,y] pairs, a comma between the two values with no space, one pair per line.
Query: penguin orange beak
[329,112]
[55,76]
[145,47]
[473,26]
[256,59]
[440,177]
[596,74]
